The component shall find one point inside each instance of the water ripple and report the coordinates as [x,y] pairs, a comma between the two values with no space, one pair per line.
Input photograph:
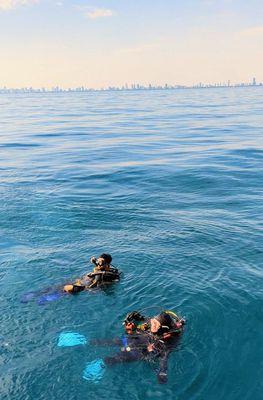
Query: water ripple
[169,183]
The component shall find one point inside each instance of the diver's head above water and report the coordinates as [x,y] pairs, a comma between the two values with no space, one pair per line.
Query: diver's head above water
[102,261]
[161,322]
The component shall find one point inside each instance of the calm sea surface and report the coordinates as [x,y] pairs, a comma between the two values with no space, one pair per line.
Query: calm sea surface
[170,183]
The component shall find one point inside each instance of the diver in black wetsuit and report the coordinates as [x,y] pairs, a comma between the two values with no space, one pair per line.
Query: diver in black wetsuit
[103,272]
[147,339]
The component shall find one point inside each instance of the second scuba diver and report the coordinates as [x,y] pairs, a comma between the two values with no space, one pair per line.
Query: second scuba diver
[102,273]
[146,339]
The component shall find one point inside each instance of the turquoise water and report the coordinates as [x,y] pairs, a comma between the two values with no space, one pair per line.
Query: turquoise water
[170,183]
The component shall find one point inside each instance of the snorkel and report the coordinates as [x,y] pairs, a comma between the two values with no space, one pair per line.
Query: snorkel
[179,321]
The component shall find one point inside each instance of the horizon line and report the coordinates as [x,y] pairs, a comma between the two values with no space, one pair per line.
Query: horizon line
[131,87]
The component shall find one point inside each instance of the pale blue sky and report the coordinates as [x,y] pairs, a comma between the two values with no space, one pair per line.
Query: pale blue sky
[111,42]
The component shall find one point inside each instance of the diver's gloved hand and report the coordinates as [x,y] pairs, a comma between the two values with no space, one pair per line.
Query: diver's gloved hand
[134,316]
[93,260]
[162,377]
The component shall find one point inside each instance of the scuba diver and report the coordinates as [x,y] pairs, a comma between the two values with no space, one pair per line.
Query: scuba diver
[147,339]
[102,273]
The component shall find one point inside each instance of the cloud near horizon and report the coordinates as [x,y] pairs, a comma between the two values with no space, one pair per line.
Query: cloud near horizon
[6,5]
[94,13]
[144,47]
[254,31]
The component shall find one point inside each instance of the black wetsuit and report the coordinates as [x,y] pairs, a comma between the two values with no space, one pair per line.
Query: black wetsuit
[135,347]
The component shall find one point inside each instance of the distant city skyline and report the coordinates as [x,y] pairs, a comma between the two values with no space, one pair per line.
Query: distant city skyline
[134,86]
[106,43]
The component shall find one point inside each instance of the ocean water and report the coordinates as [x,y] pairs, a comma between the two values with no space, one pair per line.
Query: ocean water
[170,183]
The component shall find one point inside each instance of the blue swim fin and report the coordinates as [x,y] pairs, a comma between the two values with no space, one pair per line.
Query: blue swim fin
[69,339]
[94,370]
[26,297]
[48,297]
[43,296]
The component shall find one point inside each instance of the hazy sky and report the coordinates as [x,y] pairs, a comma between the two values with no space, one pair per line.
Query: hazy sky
[112,42]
